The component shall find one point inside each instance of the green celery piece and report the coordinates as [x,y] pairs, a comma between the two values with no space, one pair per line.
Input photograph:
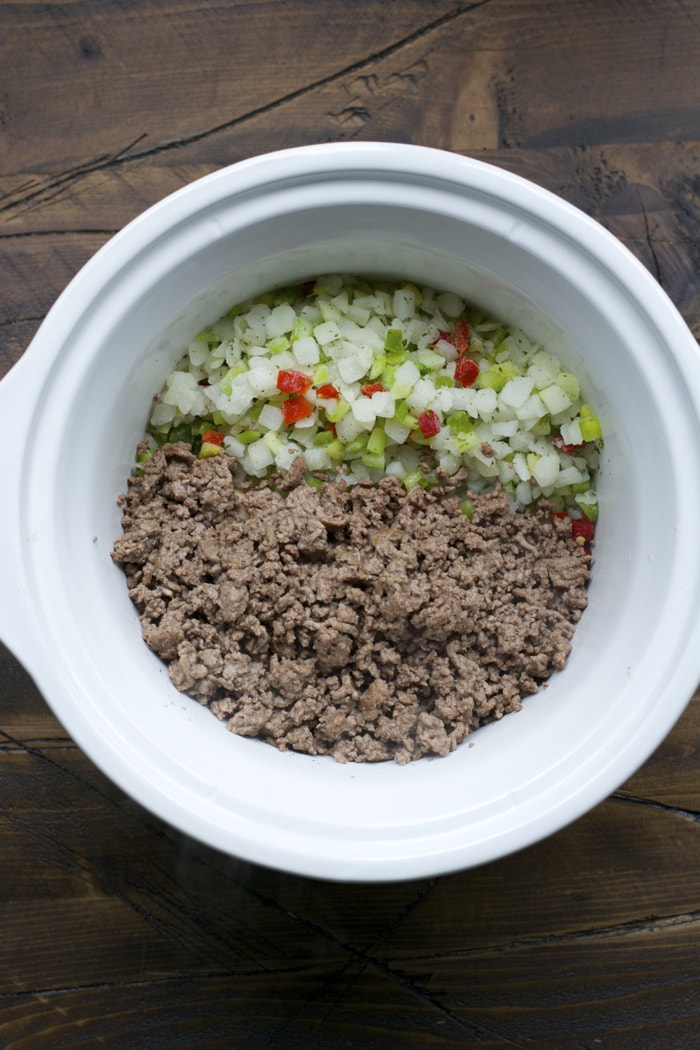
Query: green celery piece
[460,422]
[569,384]
[375,460]
[336,451]
[376,442]
[338,413]
[388,376]
[590,510]
[300,329]
[591,429]
[208,449]
[415,477]
[542,428]
[356,446]
[377,367]
[247,437]
[496,377]
[393,341]
[324,437]
[464,443]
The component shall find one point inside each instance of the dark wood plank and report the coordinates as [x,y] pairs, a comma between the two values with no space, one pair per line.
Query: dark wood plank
[158,74]
[634,992]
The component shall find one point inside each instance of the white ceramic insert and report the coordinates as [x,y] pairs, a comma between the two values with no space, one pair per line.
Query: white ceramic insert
[77,402]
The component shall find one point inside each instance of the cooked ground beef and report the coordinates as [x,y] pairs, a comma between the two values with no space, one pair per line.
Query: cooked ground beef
[368,622]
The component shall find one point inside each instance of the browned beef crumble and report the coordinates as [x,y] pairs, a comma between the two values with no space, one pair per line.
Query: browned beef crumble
[367,622]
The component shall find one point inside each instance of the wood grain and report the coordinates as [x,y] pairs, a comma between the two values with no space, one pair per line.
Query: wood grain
[116,930]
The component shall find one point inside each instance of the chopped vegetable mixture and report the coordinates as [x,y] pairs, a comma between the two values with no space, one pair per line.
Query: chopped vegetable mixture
[383,379]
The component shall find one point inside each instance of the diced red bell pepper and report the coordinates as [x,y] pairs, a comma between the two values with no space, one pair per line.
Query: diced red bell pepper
[429,423]
[460,337]
[559,443]
[583,528]
[327,391]
[466,371]
[212,437]
[371,388]
[295,408]
[307,287]
[290,381]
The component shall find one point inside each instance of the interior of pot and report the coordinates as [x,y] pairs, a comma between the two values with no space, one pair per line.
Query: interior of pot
[244,795]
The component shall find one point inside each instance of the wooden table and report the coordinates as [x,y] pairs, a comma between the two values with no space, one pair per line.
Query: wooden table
[115,930]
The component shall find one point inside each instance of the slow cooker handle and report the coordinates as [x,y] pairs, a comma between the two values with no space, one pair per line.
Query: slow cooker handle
[18,629]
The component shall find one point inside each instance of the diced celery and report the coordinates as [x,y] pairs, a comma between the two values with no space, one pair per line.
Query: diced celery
[277,345]
[356,446]
[467,507]
[569,384]
[209,449]
[273,442]
[460,422]
[415,477]
[590,510]
[397,357]
[393,341]
[388,376]
[300,329]
[324,437]
[429,360]
[491,379]
[339,412]
[375,460]
[590,428]
[376,441]
[328,311]
[377,367]
[320,375]
[464,443]
[496,377]
[247,437]
[336,451]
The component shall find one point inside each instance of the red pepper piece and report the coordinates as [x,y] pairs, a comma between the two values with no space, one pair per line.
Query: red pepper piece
[307,287]
[429,423]
[371,388]
[442,334]
[332,428]
[460,337]
[466,371]
[583,528]
[212,437]
[291,382]
[295,408]
[559,443]
[327,391]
